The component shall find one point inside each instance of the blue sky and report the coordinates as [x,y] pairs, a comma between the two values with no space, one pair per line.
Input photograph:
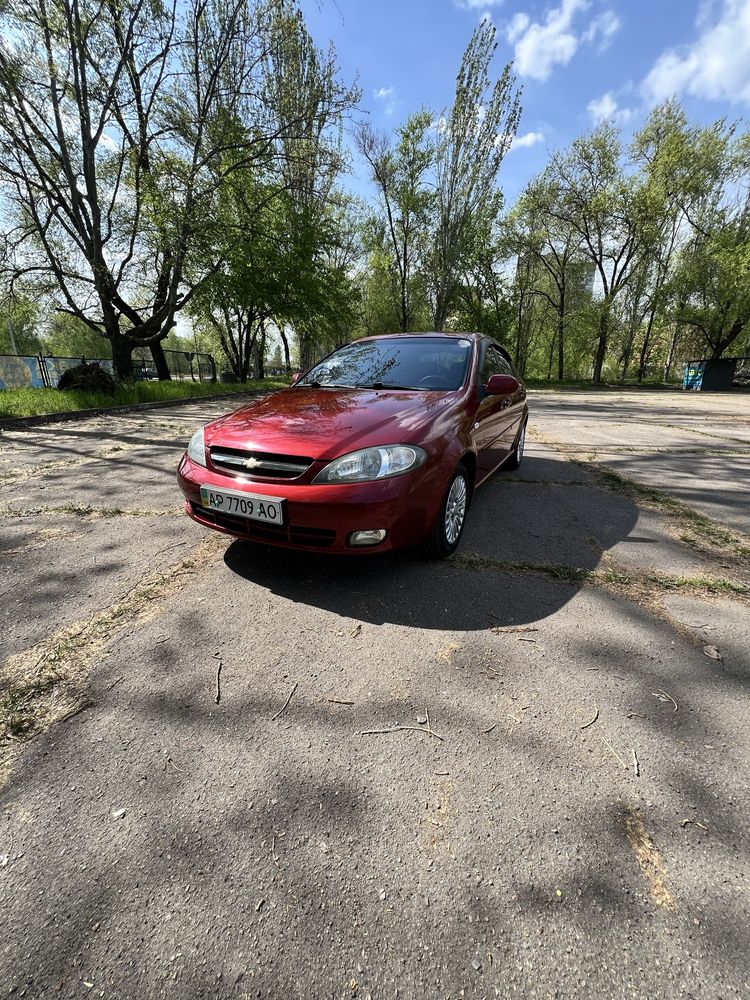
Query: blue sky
[578,61]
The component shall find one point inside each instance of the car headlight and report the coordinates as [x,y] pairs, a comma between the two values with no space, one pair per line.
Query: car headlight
[197,448]
[372,463]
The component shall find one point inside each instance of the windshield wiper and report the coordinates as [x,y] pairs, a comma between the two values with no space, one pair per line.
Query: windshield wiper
[392,385]
[326,385]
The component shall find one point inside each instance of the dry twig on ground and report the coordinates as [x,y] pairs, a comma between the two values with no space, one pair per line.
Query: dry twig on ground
[283,707]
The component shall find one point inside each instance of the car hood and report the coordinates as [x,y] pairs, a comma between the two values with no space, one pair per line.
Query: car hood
[326,423]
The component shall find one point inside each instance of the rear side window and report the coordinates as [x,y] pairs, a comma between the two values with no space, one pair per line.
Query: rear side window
[494,364]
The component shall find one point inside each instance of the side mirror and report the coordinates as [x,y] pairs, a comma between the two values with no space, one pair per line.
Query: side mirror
[296,376]
[502,385]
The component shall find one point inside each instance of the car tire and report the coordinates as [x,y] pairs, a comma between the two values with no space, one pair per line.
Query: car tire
[449,525]
[516,456]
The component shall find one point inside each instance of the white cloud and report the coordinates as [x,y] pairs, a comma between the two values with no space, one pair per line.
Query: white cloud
[387,94]
[540,46]
[516,26]
[716,66]
[602,107]
[528,139]
[602,29]
[606,108]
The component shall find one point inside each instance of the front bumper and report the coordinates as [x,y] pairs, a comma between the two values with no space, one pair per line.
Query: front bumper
[321,518]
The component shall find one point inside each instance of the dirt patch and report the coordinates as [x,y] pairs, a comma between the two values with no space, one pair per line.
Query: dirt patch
[21,475]
[85,510]
[648,857]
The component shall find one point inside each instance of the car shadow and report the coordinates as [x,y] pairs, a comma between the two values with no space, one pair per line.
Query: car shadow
[523,535]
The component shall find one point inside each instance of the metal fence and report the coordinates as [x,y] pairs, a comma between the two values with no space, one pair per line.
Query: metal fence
[45,371]
[54,367]
[183,366]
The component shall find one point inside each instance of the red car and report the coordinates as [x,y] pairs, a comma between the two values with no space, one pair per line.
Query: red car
[379,446]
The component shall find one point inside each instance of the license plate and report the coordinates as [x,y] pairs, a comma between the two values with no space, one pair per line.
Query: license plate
[250,505]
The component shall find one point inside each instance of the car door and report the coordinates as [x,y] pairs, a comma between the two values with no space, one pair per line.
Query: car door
[514,405]
[491,420]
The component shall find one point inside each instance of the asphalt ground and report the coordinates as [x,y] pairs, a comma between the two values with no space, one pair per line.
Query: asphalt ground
[232,771]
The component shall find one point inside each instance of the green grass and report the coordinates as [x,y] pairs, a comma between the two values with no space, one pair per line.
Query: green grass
[35,402]
[606,386]
[606,576]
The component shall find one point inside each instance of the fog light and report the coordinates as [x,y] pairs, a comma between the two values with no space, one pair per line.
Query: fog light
[371,537]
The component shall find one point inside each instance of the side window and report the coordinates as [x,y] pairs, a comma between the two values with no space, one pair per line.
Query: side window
[504,368]
[490,365]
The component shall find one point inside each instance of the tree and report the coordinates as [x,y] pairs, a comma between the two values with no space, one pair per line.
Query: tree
[473,138]
[302,85]
[399,173]
[713,272]
[653,152]
[240,297]
[607,212]
[120,121]
[551,242]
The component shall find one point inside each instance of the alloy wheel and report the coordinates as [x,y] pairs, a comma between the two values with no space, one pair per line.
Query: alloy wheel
[455,509]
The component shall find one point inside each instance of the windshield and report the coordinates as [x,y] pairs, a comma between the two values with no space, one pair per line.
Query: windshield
[401,363]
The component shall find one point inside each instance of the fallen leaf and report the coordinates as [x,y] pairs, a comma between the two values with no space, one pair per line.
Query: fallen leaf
[355,631]
[713,652]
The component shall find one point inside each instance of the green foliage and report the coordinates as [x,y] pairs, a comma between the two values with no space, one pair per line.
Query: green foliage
[284,235]
[19,327]
[66,336]
[625,262]
[397,236]
[473,137]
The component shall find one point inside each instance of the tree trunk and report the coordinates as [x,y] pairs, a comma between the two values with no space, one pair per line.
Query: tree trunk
[287,358]
[601,351]
[560,337]
[261,364]
[518,333]
[160,362]
[670,355]
[646,345]
[404,307]
[551,358]
[305,351]
[122,355]
[627,351]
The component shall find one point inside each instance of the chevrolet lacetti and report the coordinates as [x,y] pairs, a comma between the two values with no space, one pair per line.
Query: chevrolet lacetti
[379,446]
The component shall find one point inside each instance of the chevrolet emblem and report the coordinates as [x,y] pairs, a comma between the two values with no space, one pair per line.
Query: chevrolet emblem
[252,463]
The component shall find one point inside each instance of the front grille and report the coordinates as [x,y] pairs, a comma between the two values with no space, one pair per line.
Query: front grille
[295,534]
[259,464]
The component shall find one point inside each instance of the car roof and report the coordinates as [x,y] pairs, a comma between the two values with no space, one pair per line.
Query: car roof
[451,335]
